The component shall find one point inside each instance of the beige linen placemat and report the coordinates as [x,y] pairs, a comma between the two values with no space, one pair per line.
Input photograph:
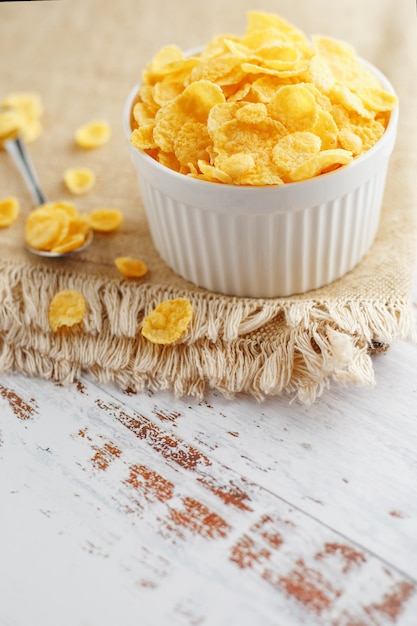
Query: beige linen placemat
[82,57]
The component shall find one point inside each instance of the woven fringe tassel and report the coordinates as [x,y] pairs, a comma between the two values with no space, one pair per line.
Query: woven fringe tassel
[286,347]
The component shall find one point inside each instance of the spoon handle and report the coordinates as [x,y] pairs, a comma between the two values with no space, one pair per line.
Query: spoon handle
[18,152]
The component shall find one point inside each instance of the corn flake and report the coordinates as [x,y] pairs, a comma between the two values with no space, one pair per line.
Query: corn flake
[349,140]
[325,128]
[130,267]
[237,165]
[322,162]
[67,308]
[69,243]
[168,62]
[190,144]
[268,24]
[79,180]
[295,107]
[212,173]
[169,160]
[105,220]
[68,208]
[293,150]
[93,134]
[369,133]
[142,137]
[9,210]
[252,113]
[168,321]
[164,58]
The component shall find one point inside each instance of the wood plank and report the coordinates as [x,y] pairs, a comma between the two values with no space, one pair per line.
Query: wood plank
[349,460]
[106,501]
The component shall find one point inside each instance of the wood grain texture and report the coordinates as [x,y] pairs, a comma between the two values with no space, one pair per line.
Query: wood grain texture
[130,509]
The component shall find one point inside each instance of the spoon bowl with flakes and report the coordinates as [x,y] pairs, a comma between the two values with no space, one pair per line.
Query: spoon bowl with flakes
[71,233]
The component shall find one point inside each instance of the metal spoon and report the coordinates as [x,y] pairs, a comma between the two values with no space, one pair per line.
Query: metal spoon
[18,152]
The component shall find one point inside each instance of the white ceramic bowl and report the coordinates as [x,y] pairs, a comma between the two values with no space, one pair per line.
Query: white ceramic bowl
[265,241]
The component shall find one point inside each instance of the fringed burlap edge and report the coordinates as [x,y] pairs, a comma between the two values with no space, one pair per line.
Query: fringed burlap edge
[292,347]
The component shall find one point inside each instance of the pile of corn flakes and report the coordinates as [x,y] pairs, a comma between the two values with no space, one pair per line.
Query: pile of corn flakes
[93,134]
[58,227]
[267,108]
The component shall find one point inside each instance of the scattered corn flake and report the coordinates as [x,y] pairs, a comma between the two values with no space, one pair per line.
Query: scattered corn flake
[168,321]
[79,180]
[9,210]
[242,94]
[105,220]
[93,134]
[130,267]
[67,308]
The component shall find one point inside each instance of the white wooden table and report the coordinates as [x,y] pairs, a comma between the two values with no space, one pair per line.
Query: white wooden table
[123,509]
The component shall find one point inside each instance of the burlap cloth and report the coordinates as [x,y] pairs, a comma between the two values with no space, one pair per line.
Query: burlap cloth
[82,57]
